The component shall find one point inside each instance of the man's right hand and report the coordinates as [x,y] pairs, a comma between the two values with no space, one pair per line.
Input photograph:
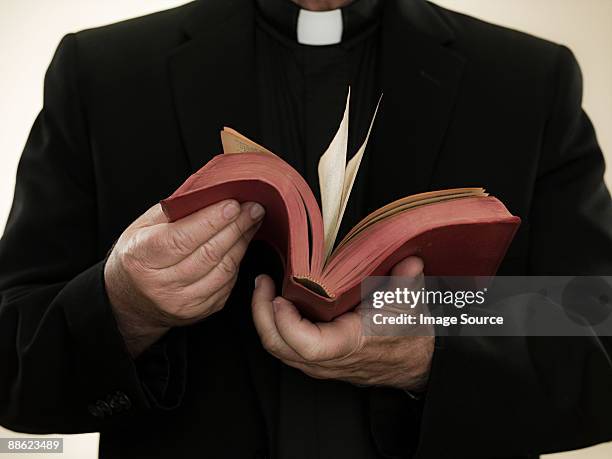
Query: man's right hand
[160,274]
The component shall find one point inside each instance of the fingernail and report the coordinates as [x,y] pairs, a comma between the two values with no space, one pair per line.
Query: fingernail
[276,304]
[257,211]
[231,209]
[257,281]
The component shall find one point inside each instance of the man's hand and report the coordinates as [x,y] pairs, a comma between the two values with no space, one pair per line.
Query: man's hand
[161,275]
[340,349]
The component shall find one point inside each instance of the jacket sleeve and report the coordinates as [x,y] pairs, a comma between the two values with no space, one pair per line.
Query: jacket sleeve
[529,395]
[65,367]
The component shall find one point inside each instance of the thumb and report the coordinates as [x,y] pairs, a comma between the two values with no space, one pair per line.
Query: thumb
[408,267]
[408,273]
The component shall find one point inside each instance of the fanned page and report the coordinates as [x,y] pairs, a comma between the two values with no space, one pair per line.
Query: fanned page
[332,172]
[336,177]
[349,179]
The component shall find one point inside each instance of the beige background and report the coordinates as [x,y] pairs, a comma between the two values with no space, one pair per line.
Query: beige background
[31,29]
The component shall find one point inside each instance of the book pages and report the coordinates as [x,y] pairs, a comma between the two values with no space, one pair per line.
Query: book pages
[234,142]
[349,177]
[332,166]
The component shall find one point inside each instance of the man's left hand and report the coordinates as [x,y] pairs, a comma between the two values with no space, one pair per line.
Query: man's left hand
[339,349]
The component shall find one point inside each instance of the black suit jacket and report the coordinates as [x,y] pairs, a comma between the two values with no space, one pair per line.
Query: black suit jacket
[131,109]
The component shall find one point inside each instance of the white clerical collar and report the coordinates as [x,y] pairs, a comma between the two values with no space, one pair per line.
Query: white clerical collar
[319,28]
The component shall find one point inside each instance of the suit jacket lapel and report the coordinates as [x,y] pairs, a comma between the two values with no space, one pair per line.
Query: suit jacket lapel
[419,76]
[212,77]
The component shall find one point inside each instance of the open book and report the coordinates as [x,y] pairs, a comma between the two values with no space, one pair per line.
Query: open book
[459,231]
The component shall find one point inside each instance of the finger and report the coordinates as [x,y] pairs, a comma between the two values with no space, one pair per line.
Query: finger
[226,269]
[264,291]
[317,342]
[263,318]
[198,310]
[407,274]
[406,277]
[411,271]
[212,253]
[408,267]
[173,242]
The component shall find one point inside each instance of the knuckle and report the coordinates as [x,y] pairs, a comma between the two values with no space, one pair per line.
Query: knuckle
[210,253]
[171,281]
[130,257]
[143,248]
[228,266]
[210,225]
[180,241]
[148,240]
[237,230]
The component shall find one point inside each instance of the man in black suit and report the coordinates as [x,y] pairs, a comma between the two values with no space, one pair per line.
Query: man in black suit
[145,334]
